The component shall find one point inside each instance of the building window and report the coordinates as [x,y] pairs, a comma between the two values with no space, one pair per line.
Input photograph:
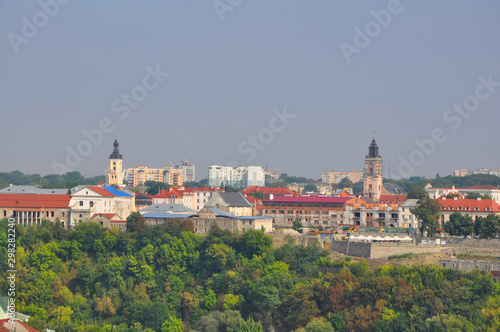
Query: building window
[91,204]
[52,213]
[81,203]
[80,216]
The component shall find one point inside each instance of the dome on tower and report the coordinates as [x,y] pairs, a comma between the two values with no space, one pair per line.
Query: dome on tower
[116,153]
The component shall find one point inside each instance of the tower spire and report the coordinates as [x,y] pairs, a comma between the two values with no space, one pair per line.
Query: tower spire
[116,153]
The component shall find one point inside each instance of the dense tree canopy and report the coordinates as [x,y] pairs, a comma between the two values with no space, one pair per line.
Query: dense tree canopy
[166,278]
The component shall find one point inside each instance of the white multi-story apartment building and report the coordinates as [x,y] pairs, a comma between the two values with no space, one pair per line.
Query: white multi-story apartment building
[188,170]
[236,177]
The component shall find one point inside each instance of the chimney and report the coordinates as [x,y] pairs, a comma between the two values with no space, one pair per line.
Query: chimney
[479,198]
[271,197]
[455,198]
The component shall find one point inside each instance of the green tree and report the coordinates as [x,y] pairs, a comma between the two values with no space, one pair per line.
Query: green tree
[172,324]
[258,194]
[477,195]
[460,225]
[310,187]
[488,227]
[417,192]
[136,222]
[155,187]
[317,325]
[428,212]
[253,242]
[346,183]
[297,224]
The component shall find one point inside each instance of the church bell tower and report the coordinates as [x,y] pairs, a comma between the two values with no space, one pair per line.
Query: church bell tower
[373,178]
[114,174]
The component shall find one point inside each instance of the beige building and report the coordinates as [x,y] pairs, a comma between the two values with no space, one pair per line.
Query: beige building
[234,202]
[336,177]
[89,201]
[137,176]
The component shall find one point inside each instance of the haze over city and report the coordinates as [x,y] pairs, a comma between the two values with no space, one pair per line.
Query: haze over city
[288,84]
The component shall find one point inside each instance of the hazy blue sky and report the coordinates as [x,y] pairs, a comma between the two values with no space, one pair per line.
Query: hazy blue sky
[231,66]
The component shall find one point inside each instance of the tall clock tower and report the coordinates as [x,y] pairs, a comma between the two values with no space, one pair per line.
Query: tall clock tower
[114,174]
[373,177]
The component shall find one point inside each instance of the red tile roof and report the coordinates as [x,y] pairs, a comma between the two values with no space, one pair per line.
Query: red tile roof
[101,191]
[18,325]
[307,199]
[172,192]
[107,215]
[482,204]
[191,189]
[137,193]
[481,186]
[34,201]
[392,198]
[268,190]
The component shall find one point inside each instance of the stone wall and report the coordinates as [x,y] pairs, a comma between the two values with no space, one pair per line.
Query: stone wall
[352,248]
[384,250]
[381,250]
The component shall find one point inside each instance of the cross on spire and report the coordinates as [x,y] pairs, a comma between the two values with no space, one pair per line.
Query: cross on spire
[374,134]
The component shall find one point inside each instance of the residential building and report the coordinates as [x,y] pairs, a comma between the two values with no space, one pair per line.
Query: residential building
[465,172]
[472,207]
[392,199]
[114,174]
[276,191]
[235,177]
[358,212]
[224,220]
[83,203]
[139,175]
[492,191]
[233,202]
[110,220]
[168,208]
[92,200]
[336,177]
[272,174]
[469,265]
[461,172]
[173,176]
[170,196]
[188,170]
[309,210]
[200,196]
[15,189]
[142,201]
[30,209]
[406,218]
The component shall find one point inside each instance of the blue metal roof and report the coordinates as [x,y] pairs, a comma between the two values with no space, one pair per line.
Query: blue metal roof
[160,215]
[116,192]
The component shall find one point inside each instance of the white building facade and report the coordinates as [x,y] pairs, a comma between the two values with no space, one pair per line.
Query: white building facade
[236,177]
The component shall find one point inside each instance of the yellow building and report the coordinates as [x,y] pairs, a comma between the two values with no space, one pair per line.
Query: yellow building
[139,175]
[114,174]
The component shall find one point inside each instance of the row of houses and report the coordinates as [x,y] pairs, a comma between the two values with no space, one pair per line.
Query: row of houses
[29,205]
[347,209]
[110,206]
